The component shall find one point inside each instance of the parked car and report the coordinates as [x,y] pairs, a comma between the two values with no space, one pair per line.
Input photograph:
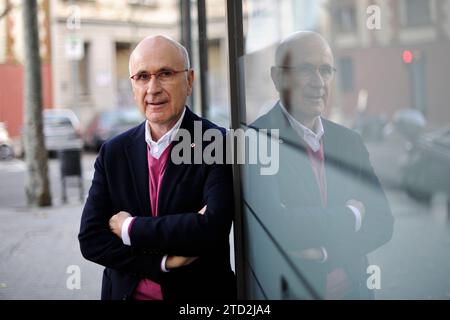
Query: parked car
[6,149]
[410,123]
[426,169]
[107,124]
[371,127]
[61,131]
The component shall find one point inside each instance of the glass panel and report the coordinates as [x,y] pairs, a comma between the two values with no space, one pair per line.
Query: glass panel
[346,175]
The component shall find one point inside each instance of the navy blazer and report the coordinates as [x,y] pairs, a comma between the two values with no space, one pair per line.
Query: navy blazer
[303,222]
[120,183]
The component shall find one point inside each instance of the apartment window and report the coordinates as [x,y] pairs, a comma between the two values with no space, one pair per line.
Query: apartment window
[83,71]
[346,18]
[124,90]
[417,13]
[345,72]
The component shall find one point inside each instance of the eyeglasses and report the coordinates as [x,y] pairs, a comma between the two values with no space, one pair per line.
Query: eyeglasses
[163,76]
[308,70]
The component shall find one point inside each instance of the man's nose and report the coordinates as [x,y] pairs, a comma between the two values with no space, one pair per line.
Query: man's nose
[316,80]
[154,86]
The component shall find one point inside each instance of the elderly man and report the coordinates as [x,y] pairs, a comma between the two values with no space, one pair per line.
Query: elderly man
[332,211]
[160,229]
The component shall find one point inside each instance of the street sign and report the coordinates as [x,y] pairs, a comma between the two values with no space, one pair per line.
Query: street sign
[74,47]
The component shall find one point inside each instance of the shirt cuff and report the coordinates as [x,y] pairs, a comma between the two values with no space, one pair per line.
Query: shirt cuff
[124,232]
[325,255]
[358,218]
[163,264]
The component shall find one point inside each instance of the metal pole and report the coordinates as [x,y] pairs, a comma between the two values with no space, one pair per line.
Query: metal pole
[186,38]
[203,56]
[235,47]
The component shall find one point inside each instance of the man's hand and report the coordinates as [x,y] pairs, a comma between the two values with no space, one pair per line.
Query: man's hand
[173,262]
[116,221]
[313,254]
[358,205]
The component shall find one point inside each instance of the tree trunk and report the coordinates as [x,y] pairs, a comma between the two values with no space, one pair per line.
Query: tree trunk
[37,186]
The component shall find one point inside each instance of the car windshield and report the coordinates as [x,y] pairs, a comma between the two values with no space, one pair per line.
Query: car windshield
[57,121]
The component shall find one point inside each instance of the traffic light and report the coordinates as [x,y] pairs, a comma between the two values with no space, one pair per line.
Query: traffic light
[407,56]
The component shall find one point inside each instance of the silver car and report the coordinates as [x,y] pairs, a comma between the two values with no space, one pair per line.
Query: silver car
[61,130]
[6,150]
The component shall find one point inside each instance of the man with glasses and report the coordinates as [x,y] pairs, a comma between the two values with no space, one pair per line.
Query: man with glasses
[331,209]
[160,229]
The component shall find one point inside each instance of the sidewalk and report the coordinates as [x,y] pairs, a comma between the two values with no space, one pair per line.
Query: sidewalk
[37,248]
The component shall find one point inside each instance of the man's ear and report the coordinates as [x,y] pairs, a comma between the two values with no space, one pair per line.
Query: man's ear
[275,77]
[190,81]
[278,80]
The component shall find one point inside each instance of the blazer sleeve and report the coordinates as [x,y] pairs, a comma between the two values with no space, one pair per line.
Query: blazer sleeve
[190,233]
[378,222]
[333,227]
[98,244]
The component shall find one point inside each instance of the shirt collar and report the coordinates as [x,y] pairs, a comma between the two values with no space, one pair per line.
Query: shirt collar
[168,137]
[311,137]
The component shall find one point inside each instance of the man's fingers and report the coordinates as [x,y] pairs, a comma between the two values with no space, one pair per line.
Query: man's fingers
[111,221]
[309,254]
[178,261]
[123,214]
[354,203]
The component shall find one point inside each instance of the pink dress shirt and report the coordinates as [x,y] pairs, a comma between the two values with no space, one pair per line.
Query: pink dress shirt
[148,289]
[337,284]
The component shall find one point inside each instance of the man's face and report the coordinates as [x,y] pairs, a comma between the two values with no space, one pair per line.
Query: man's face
[160,100]
[304,84]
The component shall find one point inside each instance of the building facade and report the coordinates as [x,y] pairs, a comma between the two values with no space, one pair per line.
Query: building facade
[367,51]
[93,75]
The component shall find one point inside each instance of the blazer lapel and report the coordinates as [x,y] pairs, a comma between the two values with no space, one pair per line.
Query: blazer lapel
[294,161]
[136,155]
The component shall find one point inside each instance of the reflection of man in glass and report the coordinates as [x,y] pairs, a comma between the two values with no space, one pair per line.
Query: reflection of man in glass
[334,210]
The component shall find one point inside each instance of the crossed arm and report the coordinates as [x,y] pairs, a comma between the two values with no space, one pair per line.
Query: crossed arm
[180,235]
[172,261]
[336,228]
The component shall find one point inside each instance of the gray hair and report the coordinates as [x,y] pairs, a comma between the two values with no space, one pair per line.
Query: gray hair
[187,62]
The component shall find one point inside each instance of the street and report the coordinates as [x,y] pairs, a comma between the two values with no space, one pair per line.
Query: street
[414,264]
